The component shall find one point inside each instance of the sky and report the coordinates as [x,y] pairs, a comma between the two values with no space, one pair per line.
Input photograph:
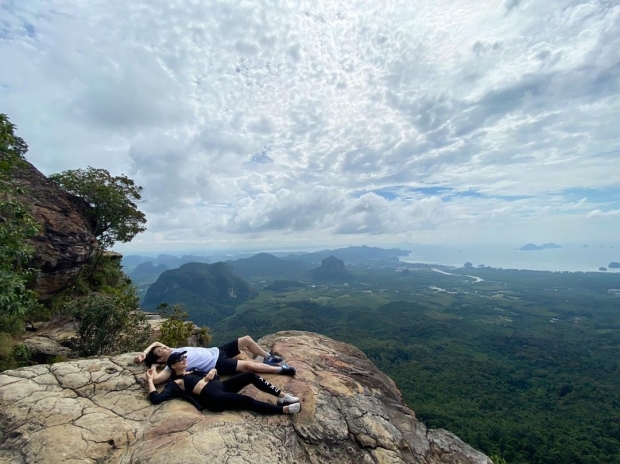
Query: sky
[262,124]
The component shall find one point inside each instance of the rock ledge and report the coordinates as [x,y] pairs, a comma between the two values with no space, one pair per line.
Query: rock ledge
[96,410]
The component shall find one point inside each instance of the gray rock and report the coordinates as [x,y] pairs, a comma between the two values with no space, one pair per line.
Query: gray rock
[96,410]
[45,349]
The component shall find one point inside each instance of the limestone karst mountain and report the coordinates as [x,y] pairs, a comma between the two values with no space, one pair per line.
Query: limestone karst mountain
[331,269]
[96,410]
[208,292]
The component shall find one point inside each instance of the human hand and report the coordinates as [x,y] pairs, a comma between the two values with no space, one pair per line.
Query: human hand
[138,359]
[150,374]
[211,374]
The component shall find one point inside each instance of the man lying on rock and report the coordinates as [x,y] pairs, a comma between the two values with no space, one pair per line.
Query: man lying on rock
[221,359]
[205,390]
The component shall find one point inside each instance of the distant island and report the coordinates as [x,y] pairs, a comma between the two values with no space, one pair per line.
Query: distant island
[533,247]
[614,265]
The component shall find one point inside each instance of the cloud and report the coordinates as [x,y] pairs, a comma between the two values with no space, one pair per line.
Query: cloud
[253,121]
[597,213]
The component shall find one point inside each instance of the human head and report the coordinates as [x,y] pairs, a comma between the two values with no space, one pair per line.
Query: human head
[175,358]
[158,354]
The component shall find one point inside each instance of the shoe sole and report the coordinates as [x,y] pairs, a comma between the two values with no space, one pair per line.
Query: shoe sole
[287,403]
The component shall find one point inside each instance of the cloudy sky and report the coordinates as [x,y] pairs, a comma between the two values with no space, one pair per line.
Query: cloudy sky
[281,124]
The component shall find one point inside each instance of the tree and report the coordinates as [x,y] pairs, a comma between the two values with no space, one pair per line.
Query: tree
[16,229]
[114,213]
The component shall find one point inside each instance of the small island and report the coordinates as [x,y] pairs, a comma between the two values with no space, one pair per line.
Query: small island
[614,265]
[533,247]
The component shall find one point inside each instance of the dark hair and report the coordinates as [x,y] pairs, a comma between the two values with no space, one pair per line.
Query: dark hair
[151,358]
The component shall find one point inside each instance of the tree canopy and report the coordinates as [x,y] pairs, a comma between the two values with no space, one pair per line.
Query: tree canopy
[115,214]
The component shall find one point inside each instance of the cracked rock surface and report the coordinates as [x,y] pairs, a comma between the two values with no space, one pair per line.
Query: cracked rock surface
[96,410]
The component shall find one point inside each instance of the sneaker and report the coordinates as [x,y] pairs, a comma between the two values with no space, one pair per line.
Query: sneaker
[294,408]
[288,370]
[287,399]
[272,359]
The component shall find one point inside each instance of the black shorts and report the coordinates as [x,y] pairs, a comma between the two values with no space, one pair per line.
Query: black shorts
[225,364]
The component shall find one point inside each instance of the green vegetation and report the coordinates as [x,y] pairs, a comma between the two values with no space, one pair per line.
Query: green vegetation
[102,299]
[208,292]
[16,228]
[108,324]
[176,329]
[115,216]
[522,365]
[105,308]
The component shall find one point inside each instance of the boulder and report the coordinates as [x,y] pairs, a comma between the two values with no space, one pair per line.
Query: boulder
[96,410]
[65,242]
[45,349]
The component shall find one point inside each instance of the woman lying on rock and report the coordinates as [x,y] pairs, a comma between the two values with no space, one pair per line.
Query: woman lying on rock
[205,390]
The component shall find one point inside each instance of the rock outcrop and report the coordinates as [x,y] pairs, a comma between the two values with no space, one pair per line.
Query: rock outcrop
[96,410]
[65,242]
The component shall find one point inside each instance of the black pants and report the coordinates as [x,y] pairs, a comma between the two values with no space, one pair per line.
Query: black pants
[223,395]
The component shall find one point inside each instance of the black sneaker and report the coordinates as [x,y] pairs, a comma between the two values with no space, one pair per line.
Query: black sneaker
[288,370]
[272,360]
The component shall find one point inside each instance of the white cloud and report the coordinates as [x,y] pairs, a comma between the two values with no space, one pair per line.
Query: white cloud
[247,121]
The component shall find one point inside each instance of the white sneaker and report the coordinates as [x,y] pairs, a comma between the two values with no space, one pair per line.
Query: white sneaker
[287,399]
[294,408]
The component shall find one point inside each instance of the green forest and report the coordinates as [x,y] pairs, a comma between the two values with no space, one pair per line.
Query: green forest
[522,365]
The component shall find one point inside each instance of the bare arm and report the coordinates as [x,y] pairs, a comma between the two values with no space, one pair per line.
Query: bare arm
[161,376]
[138,359]
[149,377]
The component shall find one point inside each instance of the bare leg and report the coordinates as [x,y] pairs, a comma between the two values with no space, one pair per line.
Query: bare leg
[252,346]
[252,366]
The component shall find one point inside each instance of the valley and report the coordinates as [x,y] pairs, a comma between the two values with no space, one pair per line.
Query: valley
[520,364]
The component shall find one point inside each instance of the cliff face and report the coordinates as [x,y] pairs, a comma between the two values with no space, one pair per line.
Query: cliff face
[65,242]
[96,410]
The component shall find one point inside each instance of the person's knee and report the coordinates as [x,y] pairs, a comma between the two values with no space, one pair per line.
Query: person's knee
[243,366]
[245,341]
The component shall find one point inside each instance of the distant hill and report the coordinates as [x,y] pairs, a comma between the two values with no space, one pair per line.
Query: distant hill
[147,269]
[130,262]
[331,269]
[352,254]
[208,292]
[533,247]
[264,265]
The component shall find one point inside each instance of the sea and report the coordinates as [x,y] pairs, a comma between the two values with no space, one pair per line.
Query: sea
[584,258]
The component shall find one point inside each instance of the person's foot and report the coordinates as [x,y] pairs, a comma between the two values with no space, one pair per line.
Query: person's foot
[272,359]
[288,370]
[292,408]
[287,399]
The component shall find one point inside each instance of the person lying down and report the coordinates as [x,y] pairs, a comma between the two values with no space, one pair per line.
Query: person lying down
[205,391]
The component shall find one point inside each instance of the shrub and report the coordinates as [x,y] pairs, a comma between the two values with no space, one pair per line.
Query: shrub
[176,329]
[108,324]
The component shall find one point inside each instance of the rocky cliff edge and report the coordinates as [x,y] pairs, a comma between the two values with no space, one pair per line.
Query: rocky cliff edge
[96,410]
